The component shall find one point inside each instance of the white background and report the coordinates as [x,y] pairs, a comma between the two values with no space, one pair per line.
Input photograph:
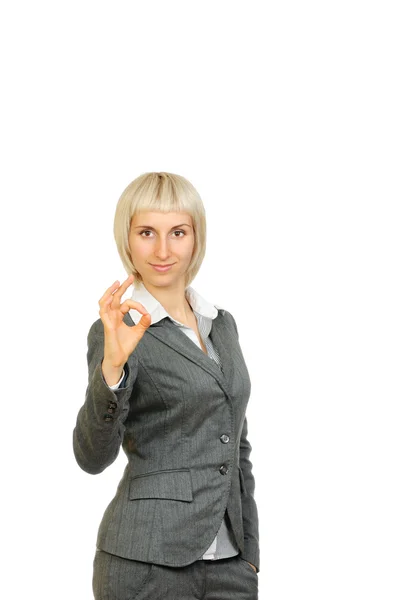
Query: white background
[283,115]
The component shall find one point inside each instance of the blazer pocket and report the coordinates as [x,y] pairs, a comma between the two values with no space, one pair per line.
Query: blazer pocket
[242,482]
[172,484]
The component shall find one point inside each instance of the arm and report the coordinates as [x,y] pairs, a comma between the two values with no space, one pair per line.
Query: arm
[99,428]
[249,507]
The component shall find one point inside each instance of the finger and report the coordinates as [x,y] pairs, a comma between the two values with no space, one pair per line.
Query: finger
[124,308]
[117,295]
[108,292]
[127,304]
[119,292]
[104,309]
[112,292]
[145,320]
[106,300]
[111,299]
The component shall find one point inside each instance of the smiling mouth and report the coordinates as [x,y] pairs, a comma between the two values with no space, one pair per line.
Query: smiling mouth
[161,268]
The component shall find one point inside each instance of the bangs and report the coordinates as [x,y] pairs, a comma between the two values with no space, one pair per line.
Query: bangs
[159,192]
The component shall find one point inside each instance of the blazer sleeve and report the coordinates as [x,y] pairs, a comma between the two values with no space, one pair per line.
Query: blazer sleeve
[99,429]
[249,506]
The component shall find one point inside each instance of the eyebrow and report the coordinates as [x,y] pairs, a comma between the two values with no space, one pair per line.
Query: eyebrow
[149,226]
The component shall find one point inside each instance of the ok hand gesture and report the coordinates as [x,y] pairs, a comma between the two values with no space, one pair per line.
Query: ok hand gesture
[120,339]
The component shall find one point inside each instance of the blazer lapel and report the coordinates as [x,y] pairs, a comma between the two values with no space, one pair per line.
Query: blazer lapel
[171,335]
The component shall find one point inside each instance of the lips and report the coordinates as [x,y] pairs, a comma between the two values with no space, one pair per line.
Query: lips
[162,268]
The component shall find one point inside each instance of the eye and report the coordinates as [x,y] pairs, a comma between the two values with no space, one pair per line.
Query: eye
[149,231]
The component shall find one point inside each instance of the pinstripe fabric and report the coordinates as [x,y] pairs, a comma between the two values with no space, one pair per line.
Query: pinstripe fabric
[118,578]
[224,544]
[181,422]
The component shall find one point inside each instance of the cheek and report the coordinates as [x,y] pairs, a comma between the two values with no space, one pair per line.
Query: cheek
[186,252]
[139,245]
[189,246]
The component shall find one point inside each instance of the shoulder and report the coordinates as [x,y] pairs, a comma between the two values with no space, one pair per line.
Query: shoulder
[96,330]
[227,316]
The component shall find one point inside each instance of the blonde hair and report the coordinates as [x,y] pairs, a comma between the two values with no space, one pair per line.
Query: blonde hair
[164,192]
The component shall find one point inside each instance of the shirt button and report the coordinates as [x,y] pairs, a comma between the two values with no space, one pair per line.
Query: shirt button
[112,404]
[224,438]
[108,417]
[223,469]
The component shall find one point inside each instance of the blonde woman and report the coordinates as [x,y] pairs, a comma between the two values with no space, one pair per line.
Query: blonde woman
[167,381]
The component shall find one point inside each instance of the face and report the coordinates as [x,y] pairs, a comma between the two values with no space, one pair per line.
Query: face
[158,238]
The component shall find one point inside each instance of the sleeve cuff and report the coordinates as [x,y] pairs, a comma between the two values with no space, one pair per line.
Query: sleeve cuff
[119,383]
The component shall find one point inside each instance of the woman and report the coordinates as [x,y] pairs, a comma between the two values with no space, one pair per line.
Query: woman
[168,382]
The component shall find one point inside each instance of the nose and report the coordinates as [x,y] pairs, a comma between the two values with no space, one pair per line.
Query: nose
[162,249]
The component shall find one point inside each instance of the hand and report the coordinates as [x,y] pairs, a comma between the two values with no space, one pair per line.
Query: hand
[120,339]
[255,570]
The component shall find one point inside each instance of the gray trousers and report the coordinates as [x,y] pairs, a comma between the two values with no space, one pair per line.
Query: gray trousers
[116,578]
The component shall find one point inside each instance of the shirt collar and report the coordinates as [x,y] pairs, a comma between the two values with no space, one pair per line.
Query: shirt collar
[157,311]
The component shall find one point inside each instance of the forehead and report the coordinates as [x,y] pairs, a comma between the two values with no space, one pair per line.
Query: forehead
[159,218]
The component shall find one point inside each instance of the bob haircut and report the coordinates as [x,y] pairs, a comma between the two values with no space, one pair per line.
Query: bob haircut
[165,192]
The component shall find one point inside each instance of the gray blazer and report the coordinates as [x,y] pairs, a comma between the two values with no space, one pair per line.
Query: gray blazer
[182,424]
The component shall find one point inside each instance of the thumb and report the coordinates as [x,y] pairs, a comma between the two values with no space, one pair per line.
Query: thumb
[144,322]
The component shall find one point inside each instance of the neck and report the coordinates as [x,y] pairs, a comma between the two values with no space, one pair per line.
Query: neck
[173,299]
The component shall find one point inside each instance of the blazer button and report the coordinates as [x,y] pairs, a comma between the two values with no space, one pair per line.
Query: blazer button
[108,417]
[224,438]
[112,406]
[223,469]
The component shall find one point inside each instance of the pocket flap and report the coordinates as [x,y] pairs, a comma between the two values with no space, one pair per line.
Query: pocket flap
[172,484]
